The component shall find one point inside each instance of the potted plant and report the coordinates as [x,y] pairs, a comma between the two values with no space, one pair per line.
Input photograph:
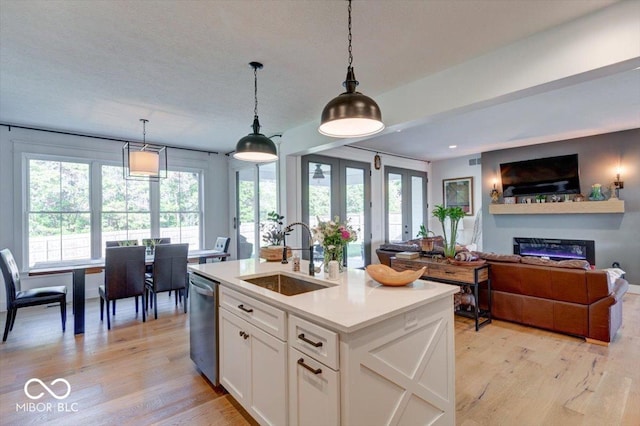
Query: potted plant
[426,243]
[541,198]
[454,214]
[273,236]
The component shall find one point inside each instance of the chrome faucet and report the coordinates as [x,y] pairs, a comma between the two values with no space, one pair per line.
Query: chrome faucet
[288,229]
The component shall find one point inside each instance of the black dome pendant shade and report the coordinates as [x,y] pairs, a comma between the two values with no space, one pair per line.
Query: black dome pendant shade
[351,114]
[256,147]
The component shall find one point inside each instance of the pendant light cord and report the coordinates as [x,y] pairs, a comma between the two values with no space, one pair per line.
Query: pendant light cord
[255,91]
[350,51]
[144,131]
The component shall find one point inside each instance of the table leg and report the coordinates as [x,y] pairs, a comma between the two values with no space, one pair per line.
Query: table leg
[476,308]
[78,300]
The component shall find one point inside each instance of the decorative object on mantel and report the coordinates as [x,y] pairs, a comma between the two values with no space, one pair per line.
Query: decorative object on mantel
[144,161]
[578,198]
[540,198]
[494,194]
[455,214]
[334,236]
[509,200]
[273,235]
[596,193]
[351,114]
[390,277]
[255,147]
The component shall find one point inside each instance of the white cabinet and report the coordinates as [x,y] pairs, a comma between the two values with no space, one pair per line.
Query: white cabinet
[253,367]
[314,380]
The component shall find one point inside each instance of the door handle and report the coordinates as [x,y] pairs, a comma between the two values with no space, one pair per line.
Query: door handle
[311,342]
[241,307]
[313,370]
[244,335]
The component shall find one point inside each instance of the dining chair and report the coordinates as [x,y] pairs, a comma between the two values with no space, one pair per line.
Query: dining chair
[169,273]
[16,298]
[121,243]
[222,244]
[123,278]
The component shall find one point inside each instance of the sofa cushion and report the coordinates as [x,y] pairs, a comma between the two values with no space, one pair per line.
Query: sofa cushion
[570,264]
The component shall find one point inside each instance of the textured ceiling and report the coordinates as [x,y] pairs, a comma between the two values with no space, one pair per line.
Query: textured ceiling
[96,67]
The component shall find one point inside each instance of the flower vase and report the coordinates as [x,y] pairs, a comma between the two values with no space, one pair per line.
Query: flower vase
[596,193]
[333,253]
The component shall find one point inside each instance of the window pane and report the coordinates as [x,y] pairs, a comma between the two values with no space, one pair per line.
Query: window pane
[114,190]
[417,205]
[246,212]
[180,208]
[74,187]
[394,205]
[137,195]
[267,190]
[319,193]
[355,215]
[59,219]
[44,186]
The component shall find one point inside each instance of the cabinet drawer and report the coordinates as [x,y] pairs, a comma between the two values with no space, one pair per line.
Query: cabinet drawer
[446,272]
[313,340]
[265,317]
[314,392]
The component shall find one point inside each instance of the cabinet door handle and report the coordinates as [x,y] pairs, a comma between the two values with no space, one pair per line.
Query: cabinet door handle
[245,309]
[244,335]
[313,370]
[311,342]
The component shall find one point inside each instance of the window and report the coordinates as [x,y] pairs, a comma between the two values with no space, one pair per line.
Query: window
[74,206]
[180,208]
[59,211]
[126,211]
[406,205]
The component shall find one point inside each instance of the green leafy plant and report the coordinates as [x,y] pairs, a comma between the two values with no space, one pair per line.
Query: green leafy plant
[454,214]
[424,232]
[272,232]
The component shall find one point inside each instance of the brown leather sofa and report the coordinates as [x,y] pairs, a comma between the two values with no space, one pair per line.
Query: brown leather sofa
[572,301]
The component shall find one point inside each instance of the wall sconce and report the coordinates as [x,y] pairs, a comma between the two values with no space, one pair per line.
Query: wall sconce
[494,194]
[144,161]
[618,184]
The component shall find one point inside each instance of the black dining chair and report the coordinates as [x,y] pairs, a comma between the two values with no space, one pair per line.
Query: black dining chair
[222,244]
[17,298]
[169,273]
[123,278]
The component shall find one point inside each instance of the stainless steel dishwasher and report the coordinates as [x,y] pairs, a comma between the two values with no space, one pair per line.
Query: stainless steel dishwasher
[203,325]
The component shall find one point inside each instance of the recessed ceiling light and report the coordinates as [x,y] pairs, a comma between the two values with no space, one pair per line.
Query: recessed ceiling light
[453,146]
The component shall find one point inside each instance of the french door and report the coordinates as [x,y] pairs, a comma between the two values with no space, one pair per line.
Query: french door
[256,196]
[406,203]
[334,187]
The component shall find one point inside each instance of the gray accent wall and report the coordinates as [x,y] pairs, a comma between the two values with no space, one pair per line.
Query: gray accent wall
[616,236]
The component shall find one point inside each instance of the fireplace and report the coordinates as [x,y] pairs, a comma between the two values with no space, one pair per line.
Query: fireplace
[556,249]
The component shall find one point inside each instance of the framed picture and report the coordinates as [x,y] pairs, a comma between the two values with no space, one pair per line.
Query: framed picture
[458,192]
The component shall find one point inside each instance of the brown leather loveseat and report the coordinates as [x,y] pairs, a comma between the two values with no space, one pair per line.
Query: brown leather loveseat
[579,302]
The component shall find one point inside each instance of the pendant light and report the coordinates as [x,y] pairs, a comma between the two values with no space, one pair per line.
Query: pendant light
[318,173]
[351,114]
[256,147]
[144,161]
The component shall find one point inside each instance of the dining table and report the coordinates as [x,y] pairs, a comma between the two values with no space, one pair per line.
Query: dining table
[94,266]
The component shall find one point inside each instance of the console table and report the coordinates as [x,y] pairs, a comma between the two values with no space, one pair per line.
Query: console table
[441,271]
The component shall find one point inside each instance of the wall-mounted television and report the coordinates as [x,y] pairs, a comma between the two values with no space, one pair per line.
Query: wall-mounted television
[551,175]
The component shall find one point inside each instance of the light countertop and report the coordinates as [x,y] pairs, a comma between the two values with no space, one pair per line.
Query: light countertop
[353,302]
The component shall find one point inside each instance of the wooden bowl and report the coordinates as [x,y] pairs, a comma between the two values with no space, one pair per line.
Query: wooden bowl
[387,276]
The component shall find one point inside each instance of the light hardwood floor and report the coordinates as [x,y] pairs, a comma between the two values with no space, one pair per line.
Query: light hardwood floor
[141,373]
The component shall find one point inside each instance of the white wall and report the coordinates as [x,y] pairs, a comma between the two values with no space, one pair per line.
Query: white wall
[450,169]
[16,142]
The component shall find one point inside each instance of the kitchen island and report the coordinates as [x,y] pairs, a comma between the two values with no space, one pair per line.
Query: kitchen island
[353,352]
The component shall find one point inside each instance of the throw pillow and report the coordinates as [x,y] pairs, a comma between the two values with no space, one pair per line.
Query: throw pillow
[512,258]
[570,264]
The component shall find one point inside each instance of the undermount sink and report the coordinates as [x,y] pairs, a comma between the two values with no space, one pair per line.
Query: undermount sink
[284,284]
